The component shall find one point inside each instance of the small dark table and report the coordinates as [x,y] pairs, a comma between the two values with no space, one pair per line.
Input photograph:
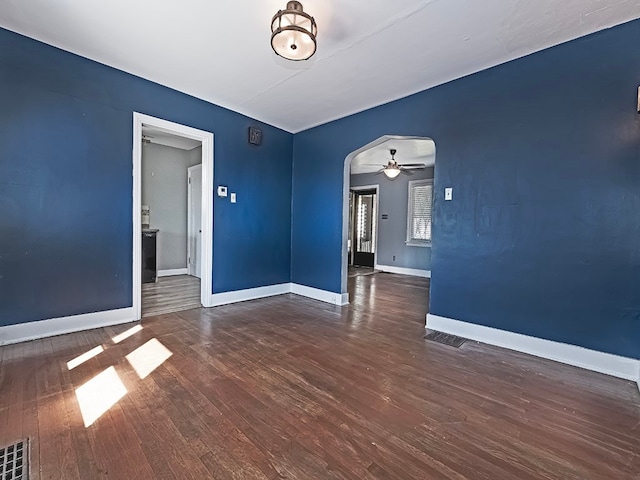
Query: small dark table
[149,255]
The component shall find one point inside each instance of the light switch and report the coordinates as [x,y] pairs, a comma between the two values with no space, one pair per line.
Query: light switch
[448,193]
[233,197]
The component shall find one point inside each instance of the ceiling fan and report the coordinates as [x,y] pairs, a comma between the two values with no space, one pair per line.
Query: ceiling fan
[393,168]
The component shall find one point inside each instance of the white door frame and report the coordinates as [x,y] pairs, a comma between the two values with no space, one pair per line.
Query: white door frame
[191,271]
[377,189]
[206,256]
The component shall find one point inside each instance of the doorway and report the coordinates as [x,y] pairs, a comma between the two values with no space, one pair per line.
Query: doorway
[199,288]
[390,161]
[363,232]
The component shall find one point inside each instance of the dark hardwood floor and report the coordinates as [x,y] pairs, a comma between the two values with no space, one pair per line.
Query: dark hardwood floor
[292,388]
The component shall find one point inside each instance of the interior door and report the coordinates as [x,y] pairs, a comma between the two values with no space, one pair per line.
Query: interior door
[365,215]
[194,220]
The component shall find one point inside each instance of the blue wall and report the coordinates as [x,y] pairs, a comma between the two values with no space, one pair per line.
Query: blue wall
[392,249]
[66,188]
[543,153]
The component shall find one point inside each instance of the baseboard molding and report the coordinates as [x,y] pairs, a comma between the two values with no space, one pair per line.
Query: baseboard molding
[339,299]
[225,298]
[617,366]
[23,332]
[173,272]
[414,272]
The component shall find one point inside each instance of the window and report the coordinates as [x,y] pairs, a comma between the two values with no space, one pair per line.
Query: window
[419,213]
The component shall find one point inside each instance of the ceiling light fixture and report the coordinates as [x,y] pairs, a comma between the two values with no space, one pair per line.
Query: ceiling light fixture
[293,33]
[392,171]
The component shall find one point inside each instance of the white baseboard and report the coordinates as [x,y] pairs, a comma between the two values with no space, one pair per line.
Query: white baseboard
[322,295]
[617,366]
[225,298]
[59,326]
[404,271]
[173,272]
[261,292]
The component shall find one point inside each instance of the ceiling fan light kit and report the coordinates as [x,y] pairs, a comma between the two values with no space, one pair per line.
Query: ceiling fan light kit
[393,168]
[293,33]
[392,171]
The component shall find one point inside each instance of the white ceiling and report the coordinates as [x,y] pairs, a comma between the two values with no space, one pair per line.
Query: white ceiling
[160,137]
[408,150]
[369,51]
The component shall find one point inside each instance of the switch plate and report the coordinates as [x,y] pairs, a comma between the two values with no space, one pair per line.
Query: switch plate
[222,191]
[233,197]
[448,193]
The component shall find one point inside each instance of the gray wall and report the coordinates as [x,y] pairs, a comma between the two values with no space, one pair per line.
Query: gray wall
[195,156]
[392,232]
[164,189]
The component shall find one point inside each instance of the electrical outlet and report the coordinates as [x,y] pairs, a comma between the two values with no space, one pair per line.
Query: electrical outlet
[448,193]
[394,258]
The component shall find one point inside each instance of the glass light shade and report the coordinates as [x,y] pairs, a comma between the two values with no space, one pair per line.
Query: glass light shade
[392,172]
[293,33]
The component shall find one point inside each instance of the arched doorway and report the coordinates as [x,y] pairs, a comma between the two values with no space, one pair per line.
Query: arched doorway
[369,160]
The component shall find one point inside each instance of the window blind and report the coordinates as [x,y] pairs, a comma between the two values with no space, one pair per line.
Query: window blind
[419,214]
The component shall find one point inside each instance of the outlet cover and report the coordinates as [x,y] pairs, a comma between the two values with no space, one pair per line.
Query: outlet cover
[448,193]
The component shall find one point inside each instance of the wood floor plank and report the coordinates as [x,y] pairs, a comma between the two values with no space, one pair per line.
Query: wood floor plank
[170,294]
[289,387]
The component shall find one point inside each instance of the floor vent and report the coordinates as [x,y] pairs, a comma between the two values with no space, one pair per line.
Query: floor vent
[14,461]
[446,339]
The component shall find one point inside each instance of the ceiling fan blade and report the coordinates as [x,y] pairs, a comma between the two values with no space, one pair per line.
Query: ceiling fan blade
[379,171]
[406,171]
[412,165]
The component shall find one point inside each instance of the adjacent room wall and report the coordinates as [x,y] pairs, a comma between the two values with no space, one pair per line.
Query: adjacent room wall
[542,236]
[66,132]
[392,232]
[164,189]
[195,156]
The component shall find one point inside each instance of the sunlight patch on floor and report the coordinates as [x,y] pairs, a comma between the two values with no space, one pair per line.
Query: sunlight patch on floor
[99,394]
[146,358]
[80,359]
[127,333]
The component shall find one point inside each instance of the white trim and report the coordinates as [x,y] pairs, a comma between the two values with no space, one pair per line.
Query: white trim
[206,138]
[225,298]
[192,268]
[345,198]
[414,272]
[339,299]
[172,272]
[617,366]
[23,332]
[235,296]
[377,189]
[189,266]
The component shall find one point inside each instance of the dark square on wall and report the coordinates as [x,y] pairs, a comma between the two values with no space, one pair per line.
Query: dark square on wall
[255,136]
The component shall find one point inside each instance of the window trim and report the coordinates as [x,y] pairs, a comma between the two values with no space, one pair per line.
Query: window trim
[409,242]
